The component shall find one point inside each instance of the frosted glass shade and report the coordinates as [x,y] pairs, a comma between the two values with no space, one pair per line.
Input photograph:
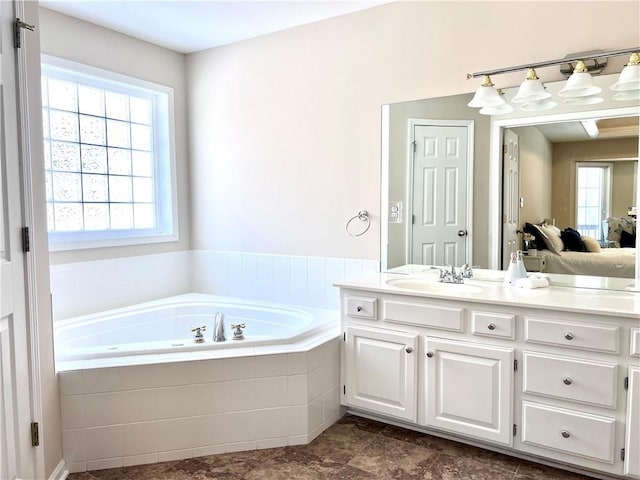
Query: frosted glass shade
[531,91]
[499,110]
[629,79]
[486,97]
[579,84]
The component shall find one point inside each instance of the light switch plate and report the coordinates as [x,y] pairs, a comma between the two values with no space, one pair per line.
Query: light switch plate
[395,212]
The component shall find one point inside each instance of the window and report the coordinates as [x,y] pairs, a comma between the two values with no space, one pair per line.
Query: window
[108,162]
[593,198]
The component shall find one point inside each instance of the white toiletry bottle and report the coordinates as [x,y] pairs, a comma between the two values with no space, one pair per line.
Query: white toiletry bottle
[512,272]
[522,271]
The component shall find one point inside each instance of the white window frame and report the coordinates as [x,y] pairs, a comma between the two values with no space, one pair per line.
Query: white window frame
[164,157]
[608,168]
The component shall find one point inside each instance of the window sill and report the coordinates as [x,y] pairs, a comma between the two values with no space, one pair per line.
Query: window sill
[62,245]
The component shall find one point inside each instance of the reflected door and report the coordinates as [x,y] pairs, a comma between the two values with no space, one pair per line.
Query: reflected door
[439,195]
[17,456]
[510,195]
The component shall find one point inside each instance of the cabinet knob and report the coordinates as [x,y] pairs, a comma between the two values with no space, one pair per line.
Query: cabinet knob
[359,308]
[408,349]
[565,434]
[567,381]
[568,336]
[491,326]
[430,354]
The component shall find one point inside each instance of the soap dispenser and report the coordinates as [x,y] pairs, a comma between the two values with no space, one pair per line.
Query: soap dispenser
[522,271]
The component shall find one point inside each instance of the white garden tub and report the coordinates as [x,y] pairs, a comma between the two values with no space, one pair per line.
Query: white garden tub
[160,331]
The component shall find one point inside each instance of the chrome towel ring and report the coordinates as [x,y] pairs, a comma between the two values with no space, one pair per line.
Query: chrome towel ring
[363,216]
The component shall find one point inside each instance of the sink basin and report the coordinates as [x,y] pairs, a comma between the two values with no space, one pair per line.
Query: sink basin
[427,285]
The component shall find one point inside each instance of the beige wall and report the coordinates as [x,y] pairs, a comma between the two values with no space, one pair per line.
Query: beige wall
[535,175]
[72,39]
[285,129]
[565,156]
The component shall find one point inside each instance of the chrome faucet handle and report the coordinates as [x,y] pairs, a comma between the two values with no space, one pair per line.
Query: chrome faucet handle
[237,331]
[199,329]
[441,272]
[467,271]
[198,337]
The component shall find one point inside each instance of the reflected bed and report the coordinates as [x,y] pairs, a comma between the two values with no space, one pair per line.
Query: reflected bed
[609,262]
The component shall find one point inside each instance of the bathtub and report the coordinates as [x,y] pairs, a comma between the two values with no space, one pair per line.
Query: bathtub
[160,331]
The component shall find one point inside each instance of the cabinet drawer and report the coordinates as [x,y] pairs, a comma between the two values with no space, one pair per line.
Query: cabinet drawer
[575,379]
[492,324]
[634,348]
[601,338]
[569,431]
[424,315]
[361,307]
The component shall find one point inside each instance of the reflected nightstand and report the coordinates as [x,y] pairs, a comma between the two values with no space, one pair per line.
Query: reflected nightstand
[534,263]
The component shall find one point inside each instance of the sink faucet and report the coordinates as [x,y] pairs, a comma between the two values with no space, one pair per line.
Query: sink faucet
[218,328]
[450,275]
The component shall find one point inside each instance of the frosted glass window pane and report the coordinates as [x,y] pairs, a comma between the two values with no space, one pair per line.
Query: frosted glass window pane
[120,189]
[44,88]
[65,156]
[94,159]
[96,217]
[63,95]
[142,190]
[50,223]
[45,123]
[144,215]
[67,187]
[68,217]
[140,110]
[95,188]
[47,155]
[48,186]
[91,100]
[117,105]
[92,130]
[142,164]
[63,126]
[119,161]
[118,134]
[121,216]
[141,137]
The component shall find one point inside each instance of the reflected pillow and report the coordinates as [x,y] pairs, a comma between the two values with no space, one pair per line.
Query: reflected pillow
[553,229]
[538,234]
[572,240]
[553,240]
[627,240]
[591,244]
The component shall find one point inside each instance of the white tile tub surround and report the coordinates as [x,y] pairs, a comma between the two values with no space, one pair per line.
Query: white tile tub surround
[89,287]
[123,416]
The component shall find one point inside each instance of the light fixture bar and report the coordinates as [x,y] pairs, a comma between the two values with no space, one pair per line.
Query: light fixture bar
[559,61]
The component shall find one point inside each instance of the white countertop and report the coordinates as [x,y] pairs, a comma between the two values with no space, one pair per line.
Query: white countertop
[566,293]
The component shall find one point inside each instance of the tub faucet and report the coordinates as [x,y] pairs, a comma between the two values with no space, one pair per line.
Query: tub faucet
[218,328]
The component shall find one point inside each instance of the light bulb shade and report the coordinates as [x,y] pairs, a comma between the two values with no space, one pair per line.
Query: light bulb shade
[531,91]
[537,106]
[486,97]
[627,95]
[583,100]
[499,110]
[629,79]
[579,84]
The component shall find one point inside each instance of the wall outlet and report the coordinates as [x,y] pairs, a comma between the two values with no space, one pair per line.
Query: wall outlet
[395,212]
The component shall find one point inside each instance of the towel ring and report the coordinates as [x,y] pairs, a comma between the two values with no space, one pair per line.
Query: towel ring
[363,216]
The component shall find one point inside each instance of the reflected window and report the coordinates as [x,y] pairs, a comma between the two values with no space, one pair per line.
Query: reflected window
[593,198]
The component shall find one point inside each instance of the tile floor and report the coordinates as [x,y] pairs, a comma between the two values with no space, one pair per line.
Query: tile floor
[353,449]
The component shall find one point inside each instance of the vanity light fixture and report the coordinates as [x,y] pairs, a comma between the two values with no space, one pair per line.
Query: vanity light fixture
[579,89]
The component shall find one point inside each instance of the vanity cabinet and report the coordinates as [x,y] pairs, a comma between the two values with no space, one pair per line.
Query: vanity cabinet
[381,368]
[468,389]
[506,372]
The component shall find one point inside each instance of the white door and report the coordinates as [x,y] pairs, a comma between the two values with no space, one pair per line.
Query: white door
[510,195]
[439,195]
[381,371]
[469,389]
[632,437]
[17,456]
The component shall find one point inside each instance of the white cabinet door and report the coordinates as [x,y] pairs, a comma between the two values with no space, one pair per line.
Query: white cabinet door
[469,389]
[381,371]
[632,437]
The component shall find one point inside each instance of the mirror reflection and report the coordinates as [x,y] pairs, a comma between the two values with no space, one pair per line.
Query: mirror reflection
[568,186]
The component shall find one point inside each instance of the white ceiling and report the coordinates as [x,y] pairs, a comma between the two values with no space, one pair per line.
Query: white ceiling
[193,25]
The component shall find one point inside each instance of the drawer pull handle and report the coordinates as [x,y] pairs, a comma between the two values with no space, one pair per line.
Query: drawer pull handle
[359,308]
[565,434]
[567,381]
[408,349]
[430,354]
[491,326]
[568,336]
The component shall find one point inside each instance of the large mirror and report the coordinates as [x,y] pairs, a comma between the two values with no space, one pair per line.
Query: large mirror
[465,202]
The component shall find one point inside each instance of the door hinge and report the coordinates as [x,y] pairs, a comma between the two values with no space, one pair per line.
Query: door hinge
[622,454]
[26,240]
[18,25]
[413,146]
[515,365]
[626,383]
[344,336]
[344,389]
[35,434]
[515,429]
[504,148]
